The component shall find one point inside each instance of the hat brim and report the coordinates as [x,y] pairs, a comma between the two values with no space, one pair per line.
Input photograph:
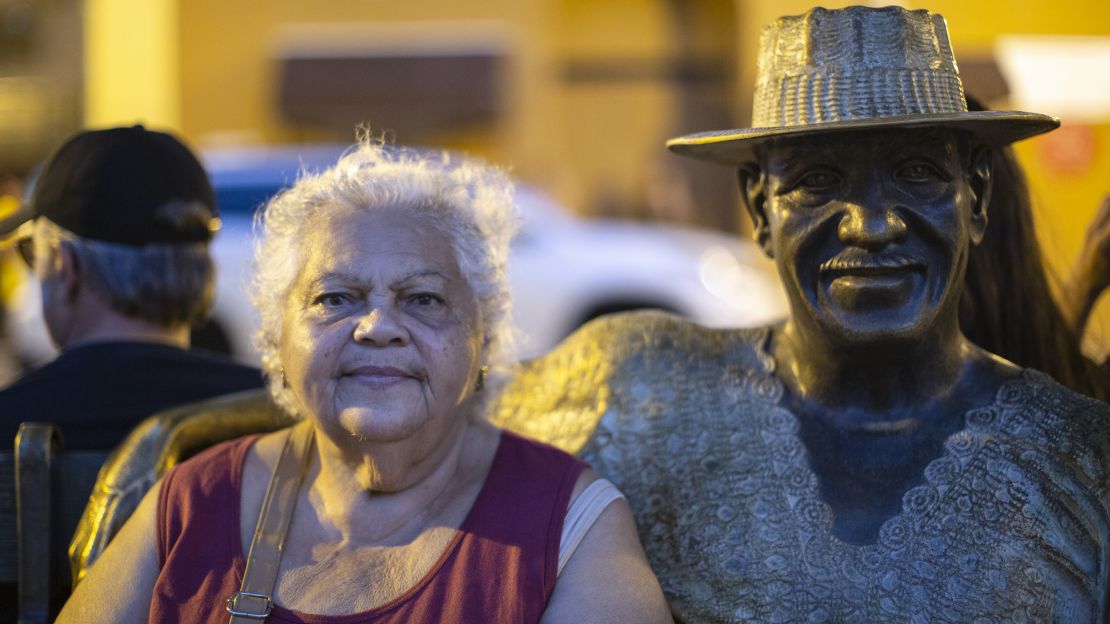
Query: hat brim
[737,147]
[11,223]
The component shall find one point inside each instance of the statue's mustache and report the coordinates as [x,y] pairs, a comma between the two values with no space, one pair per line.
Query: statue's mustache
[858,260]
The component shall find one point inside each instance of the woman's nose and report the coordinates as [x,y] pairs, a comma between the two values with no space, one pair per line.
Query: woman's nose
[381,327]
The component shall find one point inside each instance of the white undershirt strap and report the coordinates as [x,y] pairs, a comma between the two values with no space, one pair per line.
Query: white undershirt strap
[582,514]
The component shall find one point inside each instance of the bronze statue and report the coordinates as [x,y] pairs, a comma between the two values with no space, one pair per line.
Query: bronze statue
[862,461]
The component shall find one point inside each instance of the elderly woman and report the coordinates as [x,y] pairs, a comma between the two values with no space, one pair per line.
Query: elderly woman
[382,292]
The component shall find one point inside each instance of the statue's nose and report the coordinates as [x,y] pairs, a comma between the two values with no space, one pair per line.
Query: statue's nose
[871,224]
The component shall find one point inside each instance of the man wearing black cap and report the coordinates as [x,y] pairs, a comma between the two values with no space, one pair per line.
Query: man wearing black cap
[119,224]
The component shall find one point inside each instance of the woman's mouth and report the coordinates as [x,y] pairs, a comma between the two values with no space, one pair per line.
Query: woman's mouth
[378,375]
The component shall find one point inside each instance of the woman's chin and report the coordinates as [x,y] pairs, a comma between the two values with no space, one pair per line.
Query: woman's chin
[379,425]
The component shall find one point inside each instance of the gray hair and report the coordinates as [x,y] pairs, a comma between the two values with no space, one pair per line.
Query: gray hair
[470,202]
[165,284]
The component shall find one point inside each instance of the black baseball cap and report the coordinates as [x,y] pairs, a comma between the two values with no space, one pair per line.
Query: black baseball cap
[122,185]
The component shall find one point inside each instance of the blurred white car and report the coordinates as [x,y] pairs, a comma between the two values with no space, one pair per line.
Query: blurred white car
[564,270]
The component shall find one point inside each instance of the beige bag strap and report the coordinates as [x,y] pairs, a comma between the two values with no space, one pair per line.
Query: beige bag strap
[254,600]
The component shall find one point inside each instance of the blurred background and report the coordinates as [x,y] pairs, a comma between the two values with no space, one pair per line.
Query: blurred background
[575,96]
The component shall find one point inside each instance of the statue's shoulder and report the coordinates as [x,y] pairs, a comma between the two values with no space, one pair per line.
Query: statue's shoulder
[616,337]
[1070,412]
[560,397]
[1051,424]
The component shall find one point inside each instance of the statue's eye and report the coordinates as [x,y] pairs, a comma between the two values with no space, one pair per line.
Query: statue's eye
[818,180]
[919,172]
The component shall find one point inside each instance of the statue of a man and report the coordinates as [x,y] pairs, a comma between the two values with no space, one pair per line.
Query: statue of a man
[862,461]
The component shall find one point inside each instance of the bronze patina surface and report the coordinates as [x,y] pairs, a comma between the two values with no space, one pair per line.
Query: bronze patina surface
[857,67]
[1010,523]
[862,461]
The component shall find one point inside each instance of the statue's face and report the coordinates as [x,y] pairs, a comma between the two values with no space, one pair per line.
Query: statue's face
[870,230]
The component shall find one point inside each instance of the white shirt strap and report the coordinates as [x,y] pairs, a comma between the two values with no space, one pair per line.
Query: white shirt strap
[582,514]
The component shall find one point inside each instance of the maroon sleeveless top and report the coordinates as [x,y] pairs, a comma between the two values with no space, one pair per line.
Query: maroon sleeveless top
[499,568]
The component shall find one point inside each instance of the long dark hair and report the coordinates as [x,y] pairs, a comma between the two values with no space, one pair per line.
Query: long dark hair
[1007,306]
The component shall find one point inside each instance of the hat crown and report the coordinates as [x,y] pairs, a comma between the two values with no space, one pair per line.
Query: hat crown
[855,63]
[127,185]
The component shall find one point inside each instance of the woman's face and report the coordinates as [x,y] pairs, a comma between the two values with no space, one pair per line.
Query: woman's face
[381,335]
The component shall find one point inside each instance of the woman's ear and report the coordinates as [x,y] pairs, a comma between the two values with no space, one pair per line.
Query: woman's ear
[980,181]
[754,198]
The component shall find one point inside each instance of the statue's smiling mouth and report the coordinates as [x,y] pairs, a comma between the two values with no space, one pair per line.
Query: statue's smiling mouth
[856,264]
[855,279]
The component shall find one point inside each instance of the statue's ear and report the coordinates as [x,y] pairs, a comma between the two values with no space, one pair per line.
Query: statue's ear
[979,178]
[754,197]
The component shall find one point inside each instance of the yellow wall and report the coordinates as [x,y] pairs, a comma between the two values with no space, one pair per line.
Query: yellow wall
[131,63]
[229,51]
[591,144]
[613,133]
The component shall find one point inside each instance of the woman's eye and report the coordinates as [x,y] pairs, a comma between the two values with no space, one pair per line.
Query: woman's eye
[332,300]
[426,300]
[918,172]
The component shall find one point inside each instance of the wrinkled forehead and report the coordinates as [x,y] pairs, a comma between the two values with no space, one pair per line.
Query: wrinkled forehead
[341,231]
[845,148]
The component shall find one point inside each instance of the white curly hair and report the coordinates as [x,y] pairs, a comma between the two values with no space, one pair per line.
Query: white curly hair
[468,201]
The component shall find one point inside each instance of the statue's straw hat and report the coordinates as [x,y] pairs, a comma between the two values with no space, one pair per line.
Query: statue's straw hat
[857,68]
